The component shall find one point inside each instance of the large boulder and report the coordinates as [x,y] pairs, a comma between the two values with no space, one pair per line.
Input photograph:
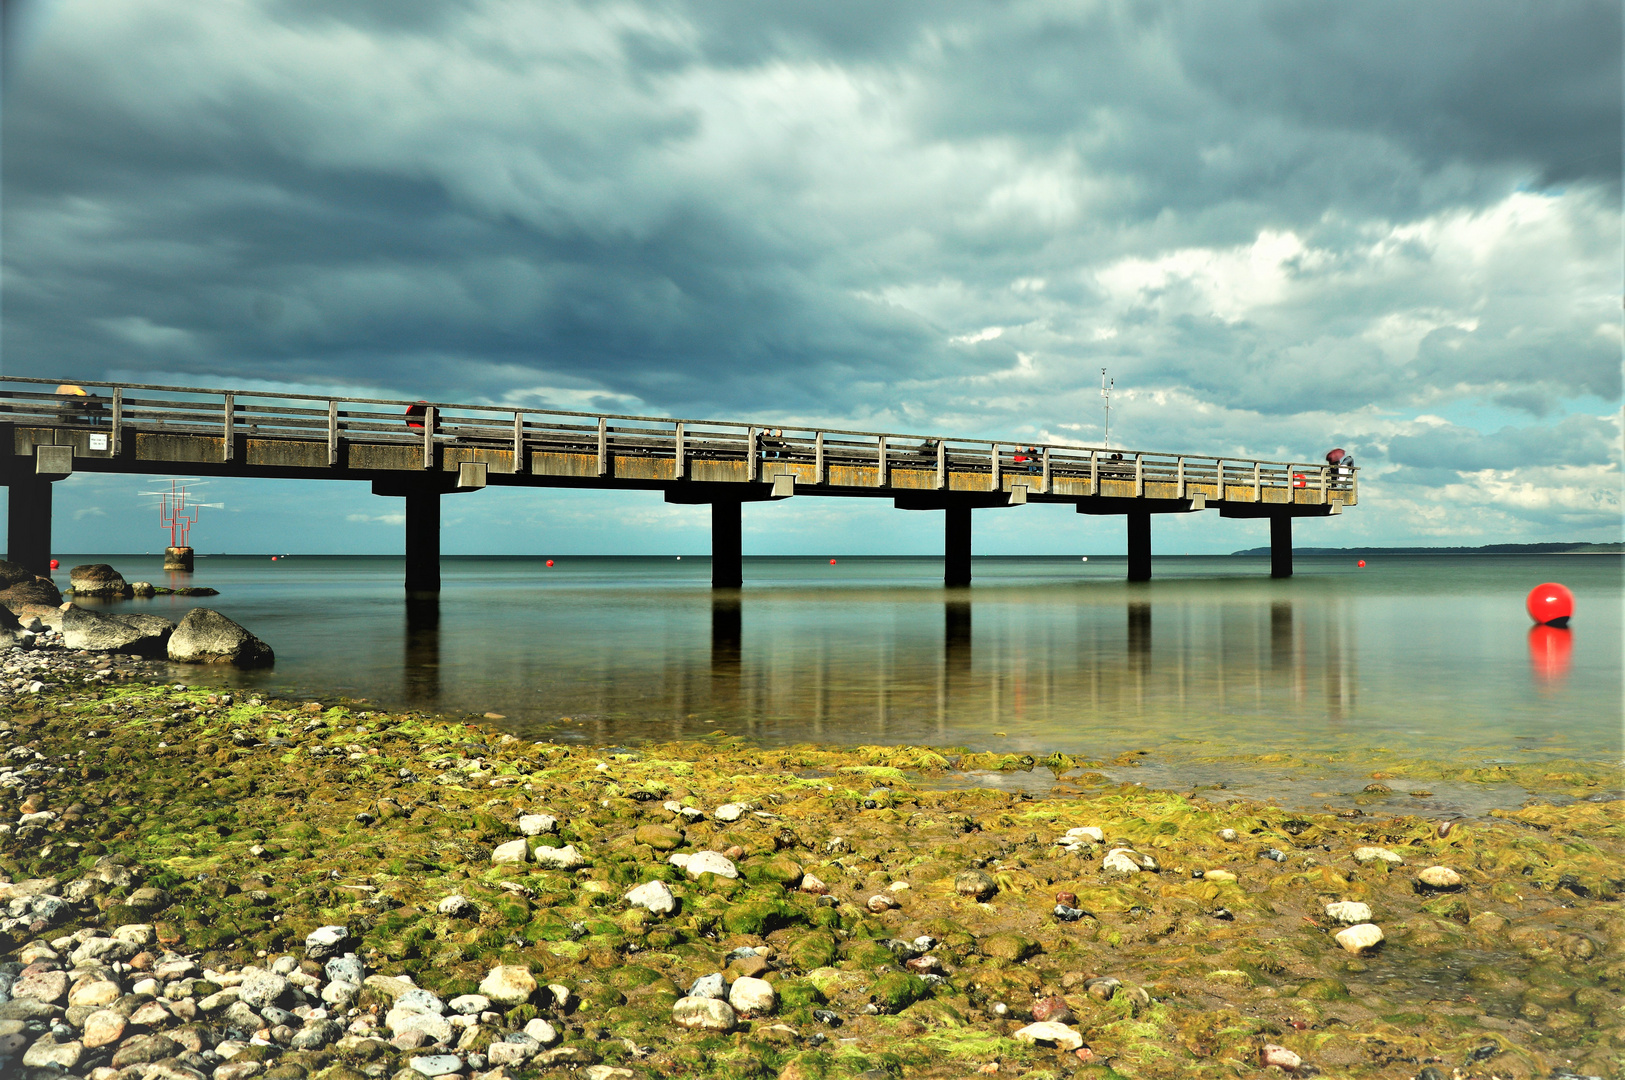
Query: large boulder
[145,635]
[208,637]
[97,579]
[20,589]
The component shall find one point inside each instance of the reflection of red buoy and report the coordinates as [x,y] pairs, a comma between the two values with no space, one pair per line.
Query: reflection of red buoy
[550,562]
[56,564]
[1360,563]
[1550,604]
[1550,651]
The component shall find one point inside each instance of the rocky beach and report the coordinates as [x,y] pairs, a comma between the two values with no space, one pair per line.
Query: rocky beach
[208,884]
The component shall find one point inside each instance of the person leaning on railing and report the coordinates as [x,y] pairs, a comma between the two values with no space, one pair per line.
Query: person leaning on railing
[78,406]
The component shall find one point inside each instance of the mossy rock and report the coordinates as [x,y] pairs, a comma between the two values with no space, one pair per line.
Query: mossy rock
[1323,990]
[777,870]
[632,976]
[512,910]
[935,1013]
[798,994]
[341,1072]
[1011,947]
[659,837]
[811,950]
[868,954]
[897,990]
[286,1070]
[825,918]
[595,998]
[1449,907]
[122,915]
[757,917]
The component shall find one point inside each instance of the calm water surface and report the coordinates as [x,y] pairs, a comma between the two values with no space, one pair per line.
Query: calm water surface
[1424,655]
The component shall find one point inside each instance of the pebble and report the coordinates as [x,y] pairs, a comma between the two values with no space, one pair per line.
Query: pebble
[1227,834]
[559,858]
[509,984]
[1218,875]
[1377,854]
[1126,861]
[437,1064]
[325,941]
[708,986]
[709,1014]
[1349,912]
[752,996]
[1088,832]
[1052,1009]
[455,906]
[976,885]
[730,811]
[542,1031]
[709,862]
[537,824]
[811,884]
[470,1004]
[1102,989]
[1050,1034]
[262,988]
[1069,914]
[1279,1057]
[880,903]
[103,1028]
[514,851]
[1439,879]
[1360,938]
[654,896]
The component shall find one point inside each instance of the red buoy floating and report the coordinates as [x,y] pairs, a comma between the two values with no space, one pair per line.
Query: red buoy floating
[550,562]
[56,564]
[1361,563]
[832,562]
[1550,604]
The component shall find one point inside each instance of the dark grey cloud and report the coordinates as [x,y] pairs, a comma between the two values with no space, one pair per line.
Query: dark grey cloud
[1275,222]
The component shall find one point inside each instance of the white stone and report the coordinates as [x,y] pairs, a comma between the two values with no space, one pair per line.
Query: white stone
[340,994]
[510,1053]
[654,896]
[710,862]
[1052,1033]
[1375,854]
[610,1072]
[1227,834]
[1125,861]
[708,1013]
[469,1004]
[454,906]
[514,851]
[730,811]
[509,984]
[1090,831]
[542,1031]
[748,995]
[1439,877]
[679,860]
[537,824]
[1218,875]
[1358,939]
[560,858]
[1348,912]
[437,1028]
[1280,1057]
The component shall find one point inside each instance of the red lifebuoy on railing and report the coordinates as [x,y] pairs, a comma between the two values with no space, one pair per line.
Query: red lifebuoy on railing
[416,413]
[1298,481]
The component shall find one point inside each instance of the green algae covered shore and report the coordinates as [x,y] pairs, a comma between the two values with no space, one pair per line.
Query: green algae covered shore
[907,923]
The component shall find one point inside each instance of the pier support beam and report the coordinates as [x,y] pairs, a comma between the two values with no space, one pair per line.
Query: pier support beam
[727,546]
[28,521]
[1280,546]
[1139,546]
[956,546]
[422,542]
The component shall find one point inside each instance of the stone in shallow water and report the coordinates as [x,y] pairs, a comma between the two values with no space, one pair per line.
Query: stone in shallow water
[1279,1057]
[455,906]
[1052,1010]
[1349,912]
[975,884]
[710,1014]
[537,824]
[1087,832]
[560,858]
[1377,854]
[1126,861]
[1218,875]
[1050,1033]
[1439,879]
[514,851]
[1361,938]
[730,811]
[1102,989]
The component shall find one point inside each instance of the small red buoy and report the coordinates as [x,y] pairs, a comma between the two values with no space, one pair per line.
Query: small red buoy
[1550,604]
[273,558]
[832,562]
[56,564]
[1360,563]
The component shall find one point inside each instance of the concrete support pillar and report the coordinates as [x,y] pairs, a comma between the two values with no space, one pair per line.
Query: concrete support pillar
[28,521]
[1280,545]
[727,546]
[422,541]
[956,547]
[1139,546]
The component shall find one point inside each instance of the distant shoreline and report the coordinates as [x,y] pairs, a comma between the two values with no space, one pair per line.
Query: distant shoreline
[1487,549]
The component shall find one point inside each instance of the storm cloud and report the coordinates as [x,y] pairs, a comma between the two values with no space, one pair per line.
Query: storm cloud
[1280,225]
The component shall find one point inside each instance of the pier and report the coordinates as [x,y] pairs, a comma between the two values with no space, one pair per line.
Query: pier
[422,451]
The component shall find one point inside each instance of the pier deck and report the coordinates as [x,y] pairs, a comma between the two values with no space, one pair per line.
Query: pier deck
[422,450]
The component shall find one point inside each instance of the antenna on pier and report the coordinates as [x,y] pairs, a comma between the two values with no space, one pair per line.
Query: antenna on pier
[1106,386]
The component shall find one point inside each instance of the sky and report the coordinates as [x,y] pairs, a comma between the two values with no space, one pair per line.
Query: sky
[1281,226]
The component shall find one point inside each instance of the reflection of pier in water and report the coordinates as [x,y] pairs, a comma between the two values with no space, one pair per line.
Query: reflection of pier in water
[913,678]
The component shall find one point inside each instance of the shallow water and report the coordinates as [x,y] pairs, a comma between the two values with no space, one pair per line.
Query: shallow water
[1425,656]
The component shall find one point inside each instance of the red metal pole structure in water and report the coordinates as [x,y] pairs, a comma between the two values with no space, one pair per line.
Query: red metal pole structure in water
[178,516]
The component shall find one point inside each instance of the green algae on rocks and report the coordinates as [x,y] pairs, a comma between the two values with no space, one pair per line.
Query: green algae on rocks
[247,825]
